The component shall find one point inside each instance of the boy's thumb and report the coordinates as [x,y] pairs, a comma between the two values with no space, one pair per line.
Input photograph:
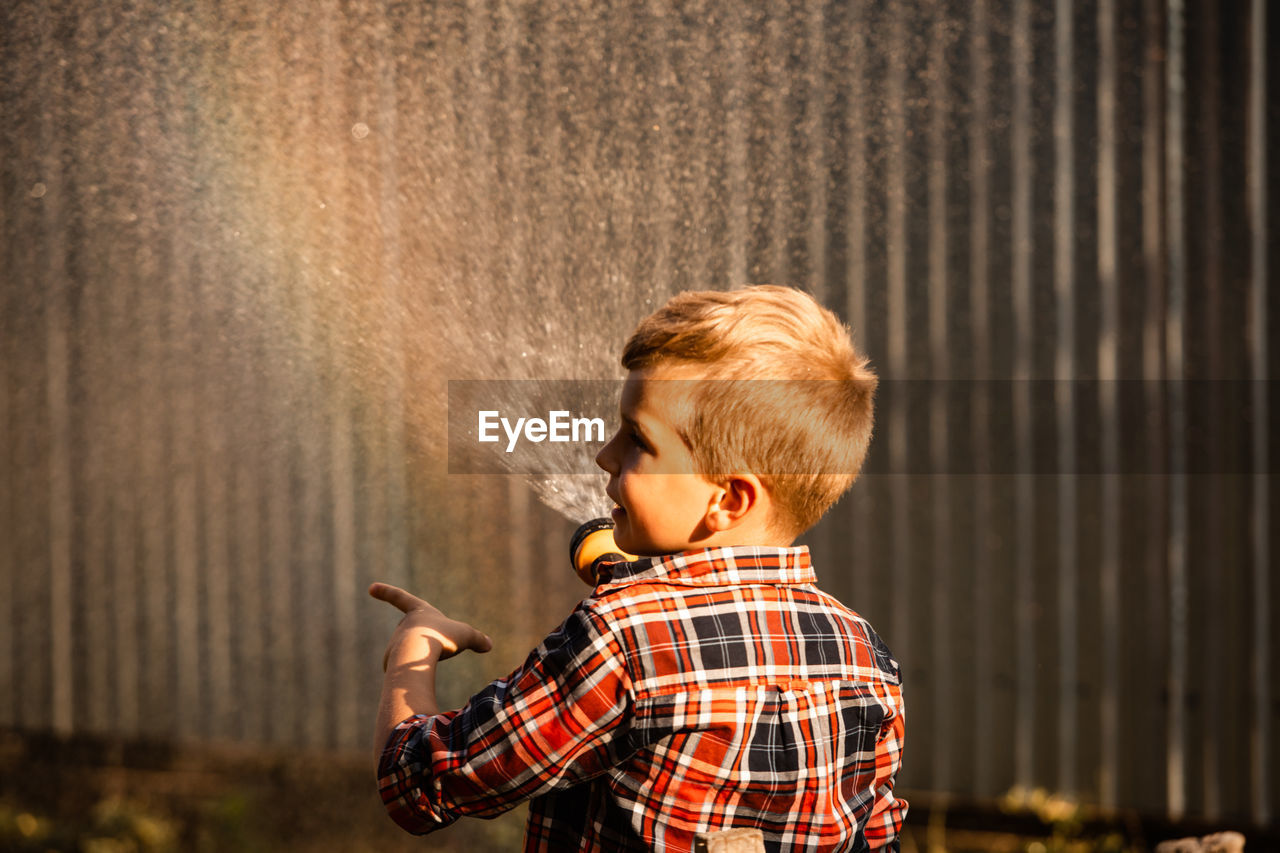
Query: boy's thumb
[482,643]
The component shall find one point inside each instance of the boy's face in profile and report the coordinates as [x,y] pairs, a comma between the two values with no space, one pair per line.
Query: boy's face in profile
[661,502]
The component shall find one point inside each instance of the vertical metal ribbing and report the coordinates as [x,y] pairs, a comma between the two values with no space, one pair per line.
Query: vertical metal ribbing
[394,449]
[128,322]
[1260,724]
[856,159]
[980,306]
[661,171]
[359,507]
[1175,309]
[1154,638]
[311,57]
[343,593]
[661,167]
[779,141]
[1064,275]
[343,596]
[96,388]
[519,557]
[704,246]
[8,411]
[282,533]
[813,131]
[247,482]
[20,27]
[23,348]
[856,274]
[180,483]
[1108,405]
[254,480]
[547,246]
[898,372]
[736,154]
[815,140]
[1209,599]
[57,339]
[162,409]
[509,150]
[215,268]
[219,684]
[1023,248]
[939,377]
[328,493]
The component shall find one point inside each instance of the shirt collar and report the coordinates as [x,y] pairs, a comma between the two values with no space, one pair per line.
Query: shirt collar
[744,564]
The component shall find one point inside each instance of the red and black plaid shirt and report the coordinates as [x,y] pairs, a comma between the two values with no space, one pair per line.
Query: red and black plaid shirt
[694,692]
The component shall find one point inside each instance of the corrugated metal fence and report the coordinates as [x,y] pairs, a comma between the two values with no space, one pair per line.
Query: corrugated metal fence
[244,246]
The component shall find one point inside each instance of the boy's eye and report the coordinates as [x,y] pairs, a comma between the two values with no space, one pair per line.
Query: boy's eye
[638,440]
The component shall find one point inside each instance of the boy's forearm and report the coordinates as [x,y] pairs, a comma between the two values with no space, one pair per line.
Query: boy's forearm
[408,688]
[423,637]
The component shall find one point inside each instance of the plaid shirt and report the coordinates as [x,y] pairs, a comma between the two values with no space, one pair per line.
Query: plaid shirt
[694,692]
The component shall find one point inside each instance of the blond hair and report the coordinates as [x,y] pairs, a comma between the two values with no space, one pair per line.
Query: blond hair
[782,392]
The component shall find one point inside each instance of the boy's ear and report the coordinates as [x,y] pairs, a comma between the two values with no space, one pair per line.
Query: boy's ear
[737,496]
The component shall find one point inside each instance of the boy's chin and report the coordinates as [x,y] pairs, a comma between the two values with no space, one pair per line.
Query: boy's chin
[622,536]
[635,544]
[626,542]
[621,529]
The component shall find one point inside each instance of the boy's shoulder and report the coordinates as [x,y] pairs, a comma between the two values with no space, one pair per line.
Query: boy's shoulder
[709,619]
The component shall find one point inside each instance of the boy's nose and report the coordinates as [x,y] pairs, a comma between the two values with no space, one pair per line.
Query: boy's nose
[604,458]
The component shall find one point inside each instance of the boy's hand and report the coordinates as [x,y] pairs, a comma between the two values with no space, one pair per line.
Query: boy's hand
[424,636]
[425,632]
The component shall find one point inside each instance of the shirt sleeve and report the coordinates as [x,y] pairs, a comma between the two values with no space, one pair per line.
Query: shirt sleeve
[885,820]
[560,719]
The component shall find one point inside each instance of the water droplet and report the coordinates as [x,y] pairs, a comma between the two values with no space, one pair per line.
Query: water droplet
[359,130]
[38,190]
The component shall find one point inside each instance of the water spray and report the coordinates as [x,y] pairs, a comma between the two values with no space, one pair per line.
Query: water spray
[592,551]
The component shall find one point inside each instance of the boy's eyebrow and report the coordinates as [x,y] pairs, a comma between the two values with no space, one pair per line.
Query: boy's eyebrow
[631,422]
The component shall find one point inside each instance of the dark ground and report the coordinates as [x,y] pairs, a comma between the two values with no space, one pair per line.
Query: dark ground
[105,796]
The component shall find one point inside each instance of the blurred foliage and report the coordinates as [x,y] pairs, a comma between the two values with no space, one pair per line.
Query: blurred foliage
[225,823]
[1066,819]
[85,795]
[88,795]
[111,826]
[1022,821]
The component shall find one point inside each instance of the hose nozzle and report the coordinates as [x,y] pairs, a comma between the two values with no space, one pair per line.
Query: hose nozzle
[592,551]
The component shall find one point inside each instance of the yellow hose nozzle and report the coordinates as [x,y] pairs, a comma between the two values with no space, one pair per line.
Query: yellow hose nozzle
[592,551]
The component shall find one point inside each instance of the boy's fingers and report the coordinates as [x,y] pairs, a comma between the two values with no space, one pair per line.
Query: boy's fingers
[396,597]
[475,641]
[481,643]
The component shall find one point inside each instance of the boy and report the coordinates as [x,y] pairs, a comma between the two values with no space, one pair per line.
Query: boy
[709,684]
